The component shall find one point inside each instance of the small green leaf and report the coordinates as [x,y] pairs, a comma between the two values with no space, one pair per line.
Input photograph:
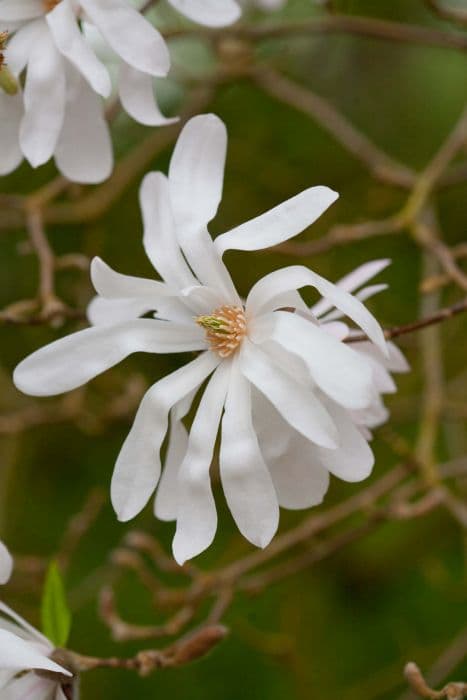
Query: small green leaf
[56,615]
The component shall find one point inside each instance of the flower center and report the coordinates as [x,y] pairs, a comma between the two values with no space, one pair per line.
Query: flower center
[50,4]
[225,329]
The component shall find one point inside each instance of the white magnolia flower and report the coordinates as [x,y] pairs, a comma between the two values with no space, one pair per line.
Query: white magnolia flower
[26,669]
[60,111]
[375,414]
[6,564]
[282,387]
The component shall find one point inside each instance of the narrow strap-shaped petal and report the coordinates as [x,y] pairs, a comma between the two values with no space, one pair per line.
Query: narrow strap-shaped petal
[6,564]
[279,224]
[160,240]
[339,370]
[196,509]
[28,630]
[19,10]
[74,360]
[297,405]
[130,35]
[299,478]
[352,281]
[114,285]
[136,91]
[362,295]
[196,171]
[138,465]
[245,478]
[16,653]
[211,13]
[44,100]
[70,42]
[195,179]
[108,312]
[84,149]
[165,503]
[296,277]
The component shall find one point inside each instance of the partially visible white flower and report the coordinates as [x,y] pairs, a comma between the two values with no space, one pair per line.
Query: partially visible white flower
[6,564]
[60,112]
[282,388]
[382,365]
[26,669]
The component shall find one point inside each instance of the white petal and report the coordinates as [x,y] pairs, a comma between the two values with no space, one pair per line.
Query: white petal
[21,44]
[108,312]
[24,629]
[130,35]
[165,504]
[11,111]
[382,380]
[279,224]
[16,653]
[137,469]
[18,10]
[299,478]
[136,91]
[245,478]
[160,240]
[211,13]
[396,361]
[338,369]
[29,687]
[84,149]
[6,564]
[296,277]
[113,285]
[195,179]
[196,171]
[196,509]
[362,295]
[296,404]
[352,281]
[44,100]
[74,360]
[70,42]
[353,460]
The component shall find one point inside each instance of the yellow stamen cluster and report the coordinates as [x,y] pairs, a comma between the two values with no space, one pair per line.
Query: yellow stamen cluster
[225,329]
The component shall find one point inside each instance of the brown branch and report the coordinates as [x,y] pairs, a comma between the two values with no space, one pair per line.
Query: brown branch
[452,14]
[418,684]
[438,317]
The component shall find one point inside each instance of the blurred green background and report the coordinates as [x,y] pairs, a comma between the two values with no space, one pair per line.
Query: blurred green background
[345,628]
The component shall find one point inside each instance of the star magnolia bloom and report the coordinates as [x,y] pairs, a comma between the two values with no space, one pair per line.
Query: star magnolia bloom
[26,669]
[60,111]
[281,386]
[375,414]
[6,564]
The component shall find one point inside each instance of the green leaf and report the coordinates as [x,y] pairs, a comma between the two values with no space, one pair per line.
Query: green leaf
[55,613]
